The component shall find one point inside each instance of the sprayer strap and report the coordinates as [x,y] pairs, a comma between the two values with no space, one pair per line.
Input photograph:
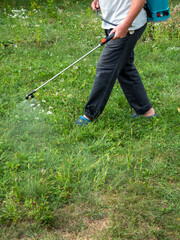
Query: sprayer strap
[149,13]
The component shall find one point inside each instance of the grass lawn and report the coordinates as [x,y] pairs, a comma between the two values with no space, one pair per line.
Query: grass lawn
[118,178]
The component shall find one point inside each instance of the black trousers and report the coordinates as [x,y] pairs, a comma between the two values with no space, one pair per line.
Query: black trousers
[117,62]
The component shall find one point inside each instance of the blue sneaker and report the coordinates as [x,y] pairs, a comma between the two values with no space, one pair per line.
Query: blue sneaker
[82,121]
[137,115]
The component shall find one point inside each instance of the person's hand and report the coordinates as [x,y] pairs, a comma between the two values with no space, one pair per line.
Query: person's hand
[120,31]
[95,4]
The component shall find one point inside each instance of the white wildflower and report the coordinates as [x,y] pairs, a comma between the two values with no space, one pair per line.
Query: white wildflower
[49,112]
[41,111]
[60,10]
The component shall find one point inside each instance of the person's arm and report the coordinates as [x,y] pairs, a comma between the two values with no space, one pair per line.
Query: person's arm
[95,4]
[122,29]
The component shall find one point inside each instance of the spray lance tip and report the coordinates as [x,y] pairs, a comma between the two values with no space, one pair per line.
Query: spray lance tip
[30,95]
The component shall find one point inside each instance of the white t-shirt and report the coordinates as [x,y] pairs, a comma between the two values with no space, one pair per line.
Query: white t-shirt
[115,11]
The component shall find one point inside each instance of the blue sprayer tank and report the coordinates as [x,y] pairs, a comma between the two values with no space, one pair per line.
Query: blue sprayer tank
[158,10]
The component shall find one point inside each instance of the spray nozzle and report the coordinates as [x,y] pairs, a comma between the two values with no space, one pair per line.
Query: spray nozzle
[30,95]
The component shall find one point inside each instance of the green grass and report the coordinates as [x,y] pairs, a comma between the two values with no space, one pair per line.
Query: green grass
[118,178]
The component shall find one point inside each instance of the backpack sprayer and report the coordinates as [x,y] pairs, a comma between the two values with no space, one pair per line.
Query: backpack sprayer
[157,10]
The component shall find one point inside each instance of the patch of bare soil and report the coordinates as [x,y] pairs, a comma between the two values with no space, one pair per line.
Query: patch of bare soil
[92,229]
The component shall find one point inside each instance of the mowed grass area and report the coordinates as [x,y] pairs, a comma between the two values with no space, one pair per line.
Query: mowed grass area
[118,178]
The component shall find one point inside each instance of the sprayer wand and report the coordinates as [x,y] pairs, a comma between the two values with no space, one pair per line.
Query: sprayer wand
[103,41]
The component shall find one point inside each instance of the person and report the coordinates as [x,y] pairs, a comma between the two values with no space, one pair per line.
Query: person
[117,59]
